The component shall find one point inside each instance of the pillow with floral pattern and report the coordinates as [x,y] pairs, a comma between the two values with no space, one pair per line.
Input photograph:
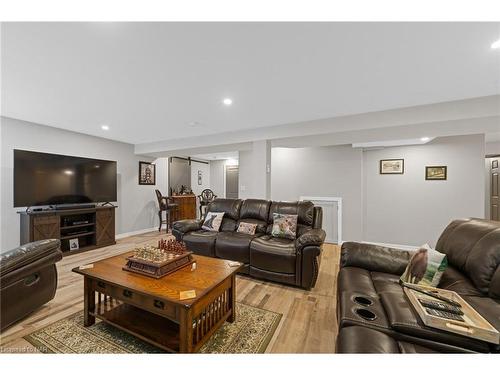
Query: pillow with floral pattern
[247,228]
[284,226]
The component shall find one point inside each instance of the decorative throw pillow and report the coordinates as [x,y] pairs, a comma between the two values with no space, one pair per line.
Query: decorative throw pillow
[247,228]
[284,226]
[425,267]
[212,222]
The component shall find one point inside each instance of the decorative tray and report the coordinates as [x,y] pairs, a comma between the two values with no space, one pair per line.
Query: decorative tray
[473,324]
[167,257]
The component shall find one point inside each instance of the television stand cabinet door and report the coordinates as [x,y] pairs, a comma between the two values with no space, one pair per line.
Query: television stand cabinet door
[105,226]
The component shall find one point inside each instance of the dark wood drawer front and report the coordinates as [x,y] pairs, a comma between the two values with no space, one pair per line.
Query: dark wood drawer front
[144,302]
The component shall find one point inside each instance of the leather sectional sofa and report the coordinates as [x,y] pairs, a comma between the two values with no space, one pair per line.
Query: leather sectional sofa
[368,286]
[28,279]
[294,262]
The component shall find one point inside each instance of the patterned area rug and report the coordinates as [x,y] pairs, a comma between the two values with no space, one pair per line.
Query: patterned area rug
[250,333]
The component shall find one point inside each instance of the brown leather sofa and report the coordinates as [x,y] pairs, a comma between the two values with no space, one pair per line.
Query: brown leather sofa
[374,314]
[294,262]
[28,279]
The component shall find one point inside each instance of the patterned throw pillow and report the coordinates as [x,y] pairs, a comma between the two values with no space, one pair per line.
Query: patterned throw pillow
[284,226]
[425,267]
[212,222]
[247,228]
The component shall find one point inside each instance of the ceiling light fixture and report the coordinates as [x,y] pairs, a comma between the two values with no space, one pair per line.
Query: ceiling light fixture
[496,45]
[425,139]
[227,101]
[104,127]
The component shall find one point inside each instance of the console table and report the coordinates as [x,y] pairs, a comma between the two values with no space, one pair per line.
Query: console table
[186,208]
[93,227]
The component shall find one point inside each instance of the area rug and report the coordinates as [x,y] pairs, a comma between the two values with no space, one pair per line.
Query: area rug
[250,333]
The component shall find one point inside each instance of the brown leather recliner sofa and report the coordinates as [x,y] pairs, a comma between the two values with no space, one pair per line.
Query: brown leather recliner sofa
[368,286]
[28,279]
[294,262]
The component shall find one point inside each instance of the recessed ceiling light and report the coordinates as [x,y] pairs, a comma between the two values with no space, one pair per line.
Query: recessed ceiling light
[425,139]
[496,44]
[227,101]
[193,124]
[104,127]
[68,172]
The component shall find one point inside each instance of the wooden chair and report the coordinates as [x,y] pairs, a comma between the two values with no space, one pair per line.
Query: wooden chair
[165,204]
[205,198]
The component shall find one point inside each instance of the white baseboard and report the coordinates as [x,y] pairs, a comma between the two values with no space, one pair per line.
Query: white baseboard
[136,232]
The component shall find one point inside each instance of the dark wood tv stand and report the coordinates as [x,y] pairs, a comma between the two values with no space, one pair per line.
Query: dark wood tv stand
[93,227]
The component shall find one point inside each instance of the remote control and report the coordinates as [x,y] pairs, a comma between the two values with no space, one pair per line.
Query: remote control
[445,315]
[440,306]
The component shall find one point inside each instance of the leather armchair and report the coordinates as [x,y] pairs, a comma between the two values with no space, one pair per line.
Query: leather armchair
[28,279]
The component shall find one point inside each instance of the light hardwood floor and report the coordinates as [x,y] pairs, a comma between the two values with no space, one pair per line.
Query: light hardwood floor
[308,324]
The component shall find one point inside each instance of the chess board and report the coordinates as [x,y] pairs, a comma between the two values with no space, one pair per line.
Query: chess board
[159,261]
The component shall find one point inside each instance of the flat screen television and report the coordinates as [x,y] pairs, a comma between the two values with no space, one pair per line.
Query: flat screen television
[42,179]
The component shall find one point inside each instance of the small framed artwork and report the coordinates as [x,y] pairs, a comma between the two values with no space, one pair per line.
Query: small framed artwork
[73,244]
[200,177]
[436,172]
[147,173]
[392,166]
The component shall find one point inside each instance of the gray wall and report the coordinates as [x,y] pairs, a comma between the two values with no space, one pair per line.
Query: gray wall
[137,204]
[399,209]
[407,209]
[334,171]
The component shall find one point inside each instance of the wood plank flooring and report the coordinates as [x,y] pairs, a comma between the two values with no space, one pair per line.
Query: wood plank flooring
[308,324]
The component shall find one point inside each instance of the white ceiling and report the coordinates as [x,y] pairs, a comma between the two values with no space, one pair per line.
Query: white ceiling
[149,81]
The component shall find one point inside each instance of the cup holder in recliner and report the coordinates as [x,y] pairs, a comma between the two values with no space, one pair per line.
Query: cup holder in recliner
[363,301]
[366,314]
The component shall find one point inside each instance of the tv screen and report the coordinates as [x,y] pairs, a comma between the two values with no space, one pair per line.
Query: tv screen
[48,179]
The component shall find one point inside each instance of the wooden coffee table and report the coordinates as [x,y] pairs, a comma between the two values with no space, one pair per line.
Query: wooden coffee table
[151,309]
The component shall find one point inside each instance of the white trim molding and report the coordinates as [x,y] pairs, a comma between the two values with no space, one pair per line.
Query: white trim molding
[330,200]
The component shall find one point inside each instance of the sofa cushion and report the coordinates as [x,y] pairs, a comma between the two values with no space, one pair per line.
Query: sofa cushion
[303,209]
[484,260]
[404,319]
[354,279]
[257,209]
[273,254]
[201,242]
[456,281]
[357,339]
[234,246]
[385,282]
[213,221]
[248,228]
[284,226]
[473,247]
[231,209]
[488,308]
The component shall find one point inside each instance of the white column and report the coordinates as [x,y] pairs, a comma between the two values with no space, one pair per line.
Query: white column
[255,171]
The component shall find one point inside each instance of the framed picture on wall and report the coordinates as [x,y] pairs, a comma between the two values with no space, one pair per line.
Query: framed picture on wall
[392,166]
[436,172]
[147,173]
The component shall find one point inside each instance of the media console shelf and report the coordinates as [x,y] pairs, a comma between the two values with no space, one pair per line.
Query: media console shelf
[93,227]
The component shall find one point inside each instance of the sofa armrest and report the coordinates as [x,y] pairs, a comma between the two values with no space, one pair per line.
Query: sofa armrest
[187,225]
[313,237]
[374,257]
[47,251]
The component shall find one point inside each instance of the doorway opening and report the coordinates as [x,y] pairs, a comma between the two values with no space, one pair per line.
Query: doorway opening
[492,203]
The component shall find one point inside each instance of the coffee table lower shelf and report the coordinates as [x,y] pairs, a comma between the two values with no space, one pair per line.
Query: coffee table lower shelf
[149,327]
